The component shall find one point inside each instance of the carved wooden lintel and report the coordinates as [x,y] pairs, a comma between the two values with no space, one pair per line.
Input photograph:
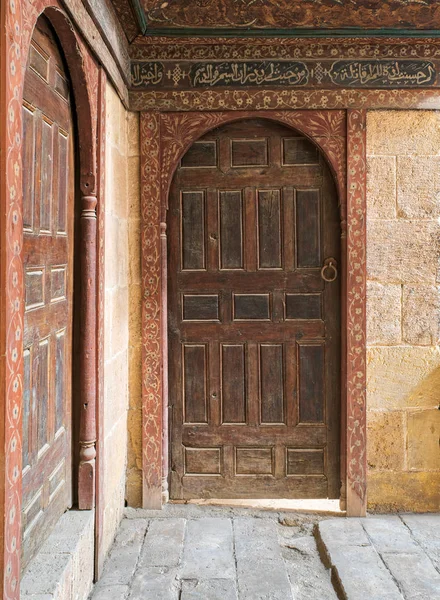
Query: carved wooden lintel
[87,353]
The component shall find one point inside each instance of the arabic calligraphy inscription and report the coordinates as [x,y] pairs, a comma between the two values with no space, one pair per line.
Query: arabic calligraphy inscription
[392,73]
[384,73]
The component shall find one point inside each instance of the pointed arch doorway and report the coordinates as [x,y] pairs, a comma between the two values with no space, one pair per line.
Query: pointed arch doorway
[254,317]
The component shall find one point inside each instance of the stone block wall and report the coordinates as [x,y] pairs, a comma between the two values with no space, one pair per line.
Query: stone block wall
[403,316]
[134,466]
[116,312]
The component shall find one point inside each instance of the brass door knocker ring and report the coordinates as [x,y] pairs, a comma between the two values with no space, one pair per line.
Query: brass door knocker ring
[329,271]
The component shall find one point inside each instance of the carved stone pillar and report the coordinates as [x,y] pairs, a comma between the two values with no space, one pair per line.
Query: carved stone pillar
[87,354]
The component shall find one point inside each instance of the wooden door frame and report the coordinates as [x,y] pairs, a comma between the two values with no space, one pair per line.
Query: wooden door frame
[17,20]
[341,137]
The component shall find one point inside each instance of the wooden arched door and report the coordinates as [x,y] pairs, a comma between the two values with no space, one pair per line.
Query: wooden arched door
[254,328]
[48,196]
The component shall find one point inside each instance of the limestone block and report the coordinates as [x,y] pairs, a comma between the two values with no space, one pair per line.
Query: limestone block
[123,119]
[83,564]
[135,305]
[108,307]
[133,133]
[133,488]
[113,513]
[385,440]
[398,132]
[420,315]
[402,251]
[424,440]
[117,197]
[134,249]
[115,389]
[214,589]
[403,492]
[381,187]
[113,116]
[123,259]
[115,454]
[403,376]
[135,374]
[163,543]
[111,254]
[119,321]
[416,575]
[383,313]
[418,186]
[134,424]
[133,187]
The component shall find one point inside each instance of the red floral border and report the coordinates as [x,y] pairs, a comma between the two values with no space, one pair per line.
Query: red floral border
[164,139]
[151,311]
[356,313]
[18,19]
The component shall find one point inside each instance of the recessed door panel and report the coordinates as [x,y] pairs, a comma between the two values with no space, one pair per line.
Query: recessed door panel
[254,336]
[48,192]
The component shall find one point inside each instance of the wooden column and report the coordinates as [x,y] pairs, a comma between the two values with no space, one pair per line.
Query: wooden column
[164,333]
[87,352]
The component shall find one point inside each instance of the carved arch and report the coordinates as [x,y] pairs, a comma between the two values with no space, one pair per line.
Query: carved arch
[18,20]
[325,129]
[165,137]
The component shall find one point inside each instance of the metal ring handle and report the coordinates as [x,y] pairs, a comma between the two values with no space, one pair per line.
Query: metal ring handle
[329,265]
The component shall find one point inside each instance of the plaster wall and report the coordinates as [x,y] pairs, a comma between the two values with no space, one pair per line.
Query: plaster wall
[115,315]
[403,302]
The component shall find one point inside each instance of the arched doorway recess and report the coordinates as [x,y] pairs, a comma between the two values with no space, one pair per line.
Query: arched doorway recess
[48,241]
[60,97]
[254,317]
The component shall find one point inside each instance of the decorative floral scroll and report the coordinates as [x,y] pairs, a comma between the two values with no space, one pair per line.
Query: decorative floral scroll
[210,100]
[356,312]
[151,307]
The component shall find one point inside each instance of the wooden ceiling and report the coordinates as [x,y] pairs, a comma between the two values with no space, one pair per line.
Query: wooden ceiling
[286,16]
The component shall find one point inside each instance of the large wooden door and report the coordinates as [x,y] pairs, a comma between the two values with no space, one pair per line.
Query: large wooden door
[254,330]
[48,188]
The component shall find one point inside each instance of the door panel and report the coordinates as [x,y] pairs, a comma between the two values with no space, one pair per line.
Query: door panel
[254,331]
[48,186]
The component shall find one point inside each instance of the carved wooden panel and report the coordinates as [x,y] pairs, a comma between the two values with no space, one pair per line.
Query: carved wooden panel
[48,268]
[285,14]
[249,373]
[231,229]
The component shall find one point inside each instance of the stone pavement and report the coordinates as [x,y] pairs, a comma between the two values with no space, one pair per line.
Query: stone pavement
[205,553]
[383,557]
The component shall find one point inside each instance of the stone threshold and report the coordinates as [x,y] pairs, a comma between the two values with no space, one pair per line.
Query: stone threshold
[64,567]
[322,507]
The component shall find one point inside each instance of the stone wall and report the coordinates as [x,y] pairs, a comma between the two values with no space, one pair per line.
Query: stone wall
[134,467]
[403,324]
[116,315]
[403,355]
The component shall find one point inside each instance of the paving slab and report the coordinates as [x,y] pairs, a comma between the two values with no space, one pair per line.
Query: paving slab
[359,573]
[415,574]
[425,530]
[124,555]
[208,550]
[163,543]
[399,561]
[390,534]
[213,589]
[261,572]
[110,592]
[309,579]
[155,583]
